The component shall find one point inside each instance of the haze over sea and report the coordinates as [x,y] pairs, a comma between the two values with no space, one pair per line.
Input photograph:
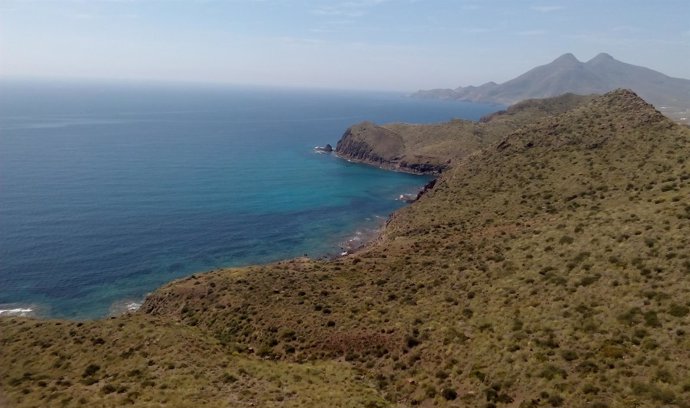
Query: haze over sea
[108,191]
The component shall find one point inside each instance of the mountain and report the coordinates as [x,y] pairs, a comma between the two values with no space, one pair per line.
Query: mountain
[549,268]
[565,74]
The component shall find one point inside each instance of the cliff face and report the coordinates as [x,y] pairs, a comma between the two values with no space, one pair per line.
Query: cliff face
[382,147]
[368,142]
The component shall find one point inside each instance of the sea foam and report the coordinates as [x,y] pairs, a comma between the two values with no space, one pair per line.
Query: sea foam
[17,311]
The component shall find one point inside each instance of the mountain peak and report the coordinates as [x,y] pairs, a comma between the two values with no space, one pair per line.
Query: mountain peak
[622,93]
[629,108]
[601,57]
[599,75]
[567,58]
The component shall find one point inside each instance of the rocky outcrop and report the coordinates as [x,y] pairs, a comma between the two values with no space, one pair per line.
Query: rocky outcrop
[427,187]
[324,149]
[368,142]
[371,144]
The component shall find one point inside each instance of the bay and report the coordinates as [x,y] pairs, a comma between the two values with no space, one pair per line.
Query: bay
[109,190]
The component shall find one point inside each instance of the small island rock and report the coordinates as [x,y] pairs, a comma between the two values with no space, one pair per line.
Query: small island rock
[324,149]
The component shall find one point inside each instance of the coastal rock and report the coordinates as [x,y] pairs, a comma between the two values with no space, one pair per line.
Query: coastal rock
[427,187]
[408,198]
[379,146]
[324,149]
[411,198]
[370,143]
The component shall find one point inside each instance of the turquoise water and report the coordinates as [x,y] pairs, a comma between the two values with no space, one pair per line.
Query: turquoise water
[108,191]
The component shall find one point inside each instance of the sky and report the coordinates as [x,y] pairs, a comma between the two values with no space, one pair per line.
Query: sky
[400,45]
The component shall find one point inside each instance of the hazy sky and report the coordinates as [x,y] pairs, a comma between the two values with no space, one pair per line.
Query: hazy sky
[359,44]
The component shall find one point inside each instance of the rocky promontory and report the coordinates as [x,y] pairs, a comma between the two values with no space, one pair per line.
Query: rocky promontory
[434,148]
[384,148]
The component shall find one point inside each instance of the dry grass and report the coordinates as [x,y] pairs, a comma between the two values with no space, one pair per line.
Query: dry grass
[147,362]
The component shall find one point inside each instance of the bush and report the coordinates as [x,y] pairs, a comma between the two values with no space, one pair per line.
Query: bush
[569,355]
[411,342]
[678,310]
[229,378]
[590,389]
[556,400]
[550,372]
[566,240]
[90,370]
[651,319]
[449,394]
[108,389]
[441,374]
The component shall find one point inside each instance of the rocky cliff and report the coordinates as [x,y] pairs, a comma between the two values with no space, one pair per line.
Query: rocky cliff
[384,148]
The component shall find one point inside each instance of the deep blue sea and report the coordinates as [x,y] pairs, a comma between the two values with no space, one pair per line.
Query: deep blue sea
[108,191]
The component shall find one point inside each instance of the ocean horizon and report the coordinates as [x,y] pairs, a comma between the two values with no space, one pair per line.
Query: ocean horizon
[108,191]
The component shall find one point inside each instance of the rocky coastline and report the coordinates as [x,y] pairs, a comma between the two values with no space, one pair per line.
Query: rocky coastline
[377,146]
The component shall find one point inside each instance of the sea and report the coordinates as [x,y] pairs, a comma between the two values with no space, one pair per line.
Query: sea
[109,190]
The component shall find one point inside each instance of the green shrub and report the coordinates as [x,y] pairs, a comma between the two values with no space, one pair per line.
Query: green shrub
[566,240]
[229,378]
[90,370]
[569,355]
[550,372]
[677,310]
[108,389]
[590,389]
[651,319]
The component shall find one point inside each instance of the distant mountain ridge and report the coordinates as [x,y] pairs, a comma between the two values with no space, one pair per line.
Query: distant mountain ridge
[566,73]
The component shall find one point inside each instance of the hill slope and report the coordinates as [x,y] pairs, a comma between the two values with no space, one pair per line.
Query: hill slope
[433,148]
[601,74]
[548,269]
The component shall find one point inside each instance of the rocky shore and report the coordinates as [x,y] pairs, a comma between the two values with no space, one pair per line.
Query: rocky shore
[377,146]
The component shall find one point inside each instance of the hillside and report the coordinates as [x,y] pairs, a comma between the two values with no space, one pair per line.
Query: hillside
[565,74]
[548,269]
[433,148]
